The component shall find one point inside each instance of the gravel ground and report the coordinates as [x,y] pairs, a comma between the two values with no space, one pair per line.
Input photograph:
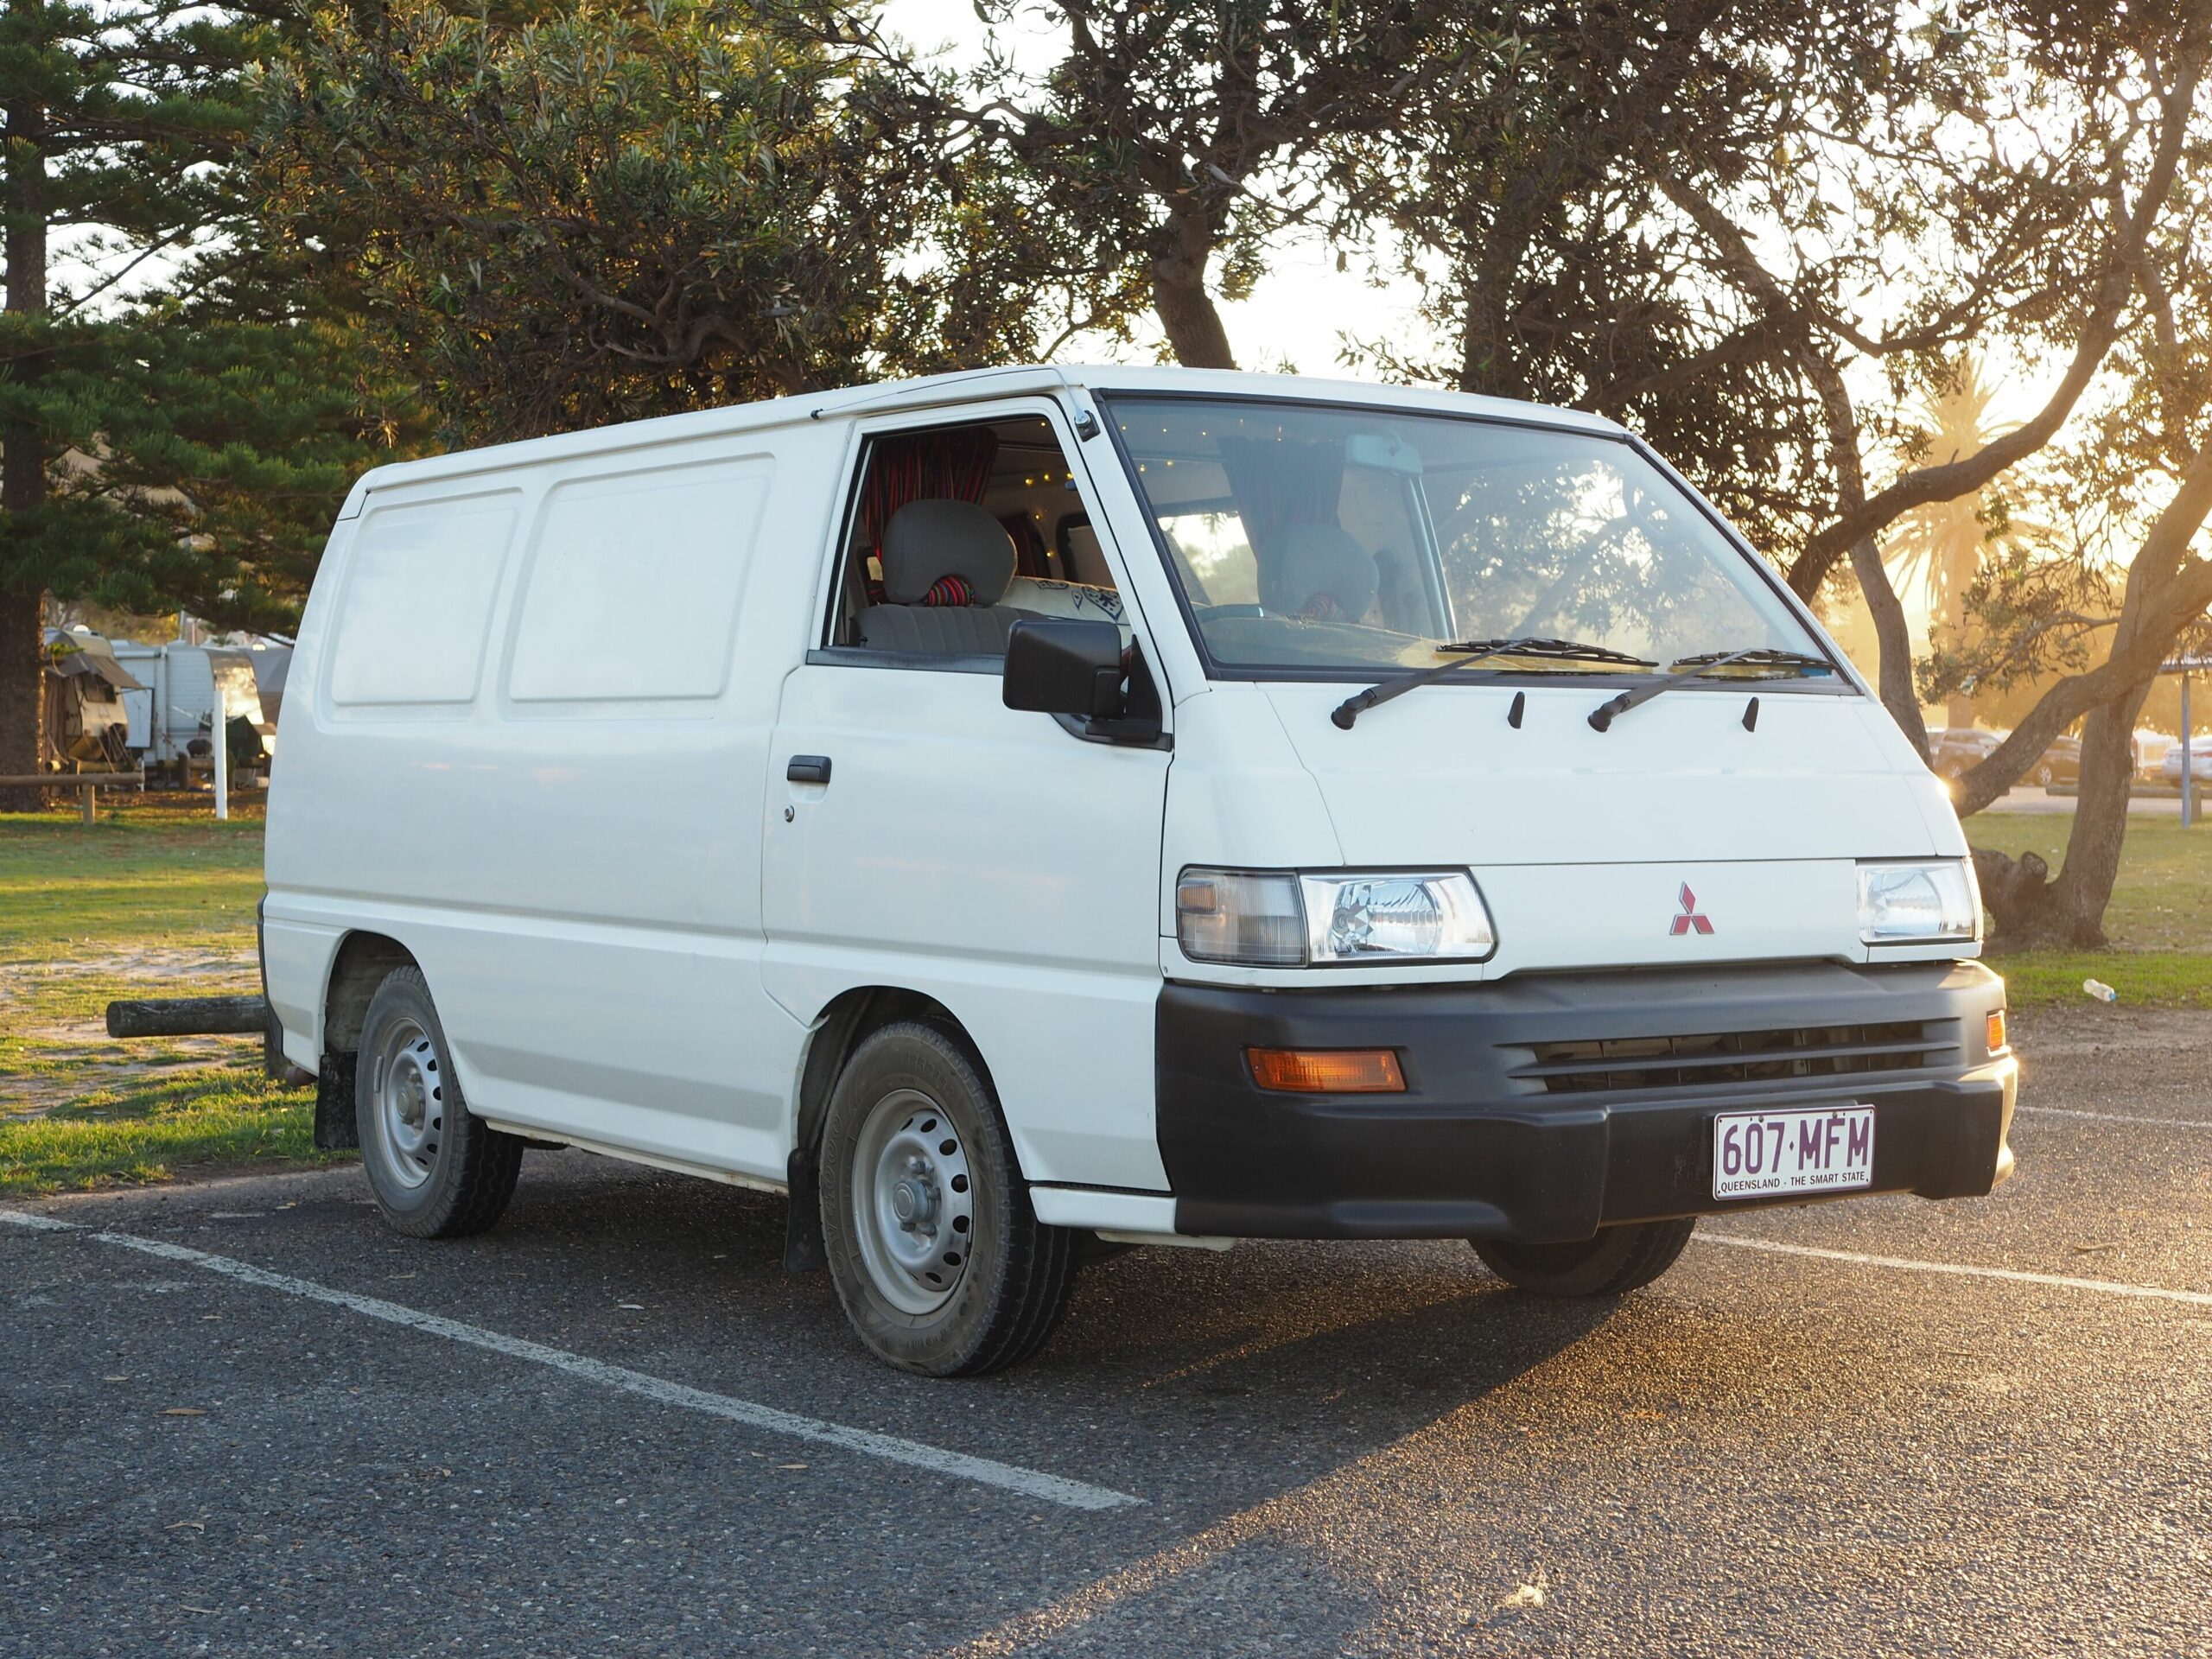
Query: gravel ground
[1361,1449]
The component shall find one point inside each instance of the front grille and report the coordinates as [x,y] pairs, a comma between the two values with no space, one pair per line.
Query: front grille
[1786,1055]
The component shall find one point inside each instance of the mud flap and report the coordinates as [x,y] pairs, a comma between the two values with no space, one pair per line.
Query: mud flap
[335,1129]
[802,1248]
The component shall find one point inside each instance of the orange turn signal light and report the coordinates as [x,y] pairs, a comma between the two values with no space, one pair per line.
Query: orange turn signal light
[1327,1071]
[1997,1032]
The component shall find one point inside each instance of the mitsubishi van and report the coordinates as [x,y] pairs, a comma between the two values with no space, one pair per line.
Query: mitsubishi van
[1020,810]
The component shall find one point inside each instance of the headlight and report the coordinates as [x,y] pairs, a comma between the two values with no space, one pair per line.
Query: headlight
[1271,920]
[1923,903]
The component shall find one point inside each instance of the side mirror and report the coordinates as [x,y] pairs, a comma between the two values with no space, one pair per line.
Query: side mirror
[1056,666]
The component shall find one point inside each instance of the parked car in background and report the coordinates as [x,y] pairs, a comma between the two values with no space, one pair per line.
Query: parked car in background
[2200,762]
[2060,763]
[1955,753]
[2151,751]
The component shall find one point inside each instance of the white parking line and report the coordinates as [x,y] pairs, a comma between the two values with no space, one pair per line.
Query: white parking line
[1907,1264]
[39,1223]
[1030,1482]
[2115,1117]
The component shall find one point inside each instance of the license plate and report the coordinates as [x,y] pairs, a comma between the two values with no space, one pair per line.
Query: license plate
[1823,1149]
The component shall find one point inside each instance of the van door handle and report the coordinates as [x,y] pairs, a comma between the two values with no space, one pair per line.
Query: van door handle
[808,769]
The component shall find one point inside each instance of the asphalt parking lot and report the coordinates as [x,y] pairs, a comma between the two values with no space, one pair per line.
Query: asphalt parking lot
[241,1418]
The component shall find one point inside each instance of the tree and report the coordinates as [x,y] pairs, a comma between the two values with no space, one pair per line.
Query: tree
[1167,146]
[1688,216]
[570,214]
[1943,545]
[1523,196]
[2138,483]
[186,443]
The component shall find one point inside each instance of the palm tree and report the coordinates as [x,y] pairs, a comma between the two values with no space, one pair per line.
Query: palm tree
[1941,546]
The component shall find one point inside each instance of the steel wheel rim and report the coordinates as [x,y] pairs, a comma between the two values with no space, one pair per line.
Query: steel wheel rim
[408,1081]
[913,1197]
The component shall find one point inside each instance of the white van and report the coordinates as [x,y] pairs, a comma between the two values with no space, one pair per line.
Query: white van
[1025,808]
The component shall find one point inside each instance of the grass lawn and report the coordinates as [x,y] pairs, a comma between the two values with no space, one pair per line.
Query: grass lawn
[153,1129]
[156,900]
[2161,919]
[149,873]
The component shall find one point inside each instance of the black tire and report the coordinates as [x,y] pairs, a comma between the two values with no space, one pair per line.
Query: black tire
[457,1178]
[1014,1273]
[1618,1259]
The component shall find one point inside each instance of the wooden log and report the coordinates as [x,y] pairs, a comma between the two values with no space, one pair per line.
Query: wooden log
[73,780]
[189,1016]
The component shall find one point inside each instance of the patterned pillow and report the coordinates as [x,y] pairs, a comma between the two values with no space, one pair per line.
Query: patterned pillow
[949,590]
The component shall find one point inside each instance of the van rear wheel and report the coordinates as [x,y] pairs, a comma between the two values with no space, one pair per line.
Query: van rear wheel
[1623,1258]
[436,1170]
[941,1264]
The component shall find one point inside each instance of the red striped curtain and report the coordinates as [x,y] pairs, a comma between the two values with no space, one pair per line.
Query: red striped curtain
[950,464]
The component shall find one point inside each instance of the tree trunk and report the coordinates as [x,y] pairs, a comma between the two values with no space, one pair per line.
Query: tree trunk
[22,696]
[1898,696]
[1179,295]
[2084,886]
[2071,909]
[22,458]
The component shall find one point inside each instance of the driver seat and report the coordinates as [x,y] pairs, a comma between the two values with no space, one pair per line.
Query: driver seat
[946,564]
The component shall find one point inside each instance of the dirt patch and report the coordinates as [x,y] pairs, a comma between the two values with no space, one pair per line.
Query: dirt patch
[136,964]
[75,1073]
[65,1057]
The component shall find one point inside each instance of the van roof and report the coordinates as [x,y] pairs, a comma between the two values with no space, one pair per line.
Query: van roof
[960,386]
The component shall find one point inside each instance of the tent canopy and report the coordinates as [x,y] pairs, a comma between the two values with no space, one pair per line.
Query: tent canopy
[69,653]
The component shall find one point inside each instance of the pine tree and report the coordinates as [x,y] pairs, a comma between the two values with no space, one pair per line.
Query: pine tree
[178,418]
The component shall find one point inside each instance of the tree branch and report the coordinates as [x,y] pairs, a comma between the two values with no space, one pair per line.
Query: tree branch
[1927,485]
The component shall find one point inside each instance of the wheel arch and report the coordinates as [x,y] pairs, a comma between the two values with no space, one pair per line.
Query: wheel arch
[847,1021]
[843,1024]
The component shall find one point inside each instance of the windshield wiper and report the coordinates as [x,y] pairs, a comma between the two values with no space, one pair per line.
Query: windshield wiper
[1468,653]
[1765,656]
[1704,666]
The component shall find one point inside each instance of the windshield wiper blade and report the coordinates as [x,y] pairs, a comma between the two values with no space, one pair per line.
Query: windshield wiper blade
[1472,651]
[1704,666]
[1765,656]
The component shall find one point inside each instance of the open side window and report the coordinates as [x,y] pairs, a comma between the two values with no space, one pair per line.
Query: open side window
[955,533]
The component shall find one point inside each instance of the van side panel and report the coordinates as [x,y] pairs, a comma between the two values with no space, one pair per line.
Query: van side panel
[415,615]
[572,852]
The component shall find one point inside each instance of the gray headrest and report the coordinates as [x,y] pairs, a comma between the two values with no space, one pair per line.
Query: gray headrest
[927,540]
[1310,559]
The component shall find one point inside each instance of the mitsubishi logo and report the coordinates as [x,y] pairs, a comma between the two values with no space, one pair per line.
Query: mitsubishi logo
[1691,920]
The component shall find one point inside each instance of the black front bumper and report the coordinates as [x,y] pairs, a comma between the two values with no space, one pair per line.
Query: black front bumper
[1484,1144]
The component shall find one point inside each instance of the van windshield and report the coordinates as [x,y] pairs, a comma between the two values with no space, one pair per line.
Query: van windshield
[1311,538]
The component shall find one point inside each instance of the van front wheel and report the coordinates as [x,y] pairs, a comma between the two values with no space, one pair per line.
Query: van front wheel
[941,1264]
[1618,1259]
[436,1169]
